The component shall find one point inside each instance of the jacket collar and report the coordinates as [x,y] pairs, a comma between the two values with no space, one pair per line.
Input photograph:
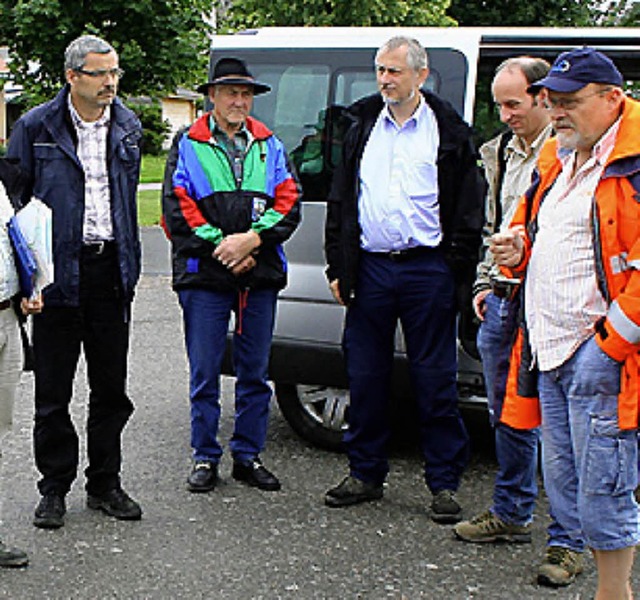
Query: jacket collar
[451,127]
[201,132]
[58,122]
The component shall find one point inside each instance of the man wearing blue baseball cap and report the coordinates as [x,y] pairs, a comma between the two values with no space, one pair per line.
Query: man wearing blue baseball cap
[575,235]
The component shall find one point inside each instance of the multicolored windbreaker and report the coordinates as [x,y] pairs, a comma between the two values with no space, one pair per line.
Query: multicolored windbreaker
[202,203]
[615,217]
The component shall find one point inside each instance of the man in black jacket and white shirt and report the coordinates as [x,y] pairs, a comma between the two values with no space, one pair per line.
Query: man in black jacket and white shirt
[403,231]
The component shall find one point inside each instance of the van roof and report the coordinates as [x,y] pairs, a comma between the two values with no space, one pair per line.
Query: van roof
[488,36]
[493,44]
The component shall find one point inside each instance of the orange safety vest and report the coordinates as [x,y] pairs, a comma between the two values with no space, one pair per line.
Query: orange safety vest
[616,239]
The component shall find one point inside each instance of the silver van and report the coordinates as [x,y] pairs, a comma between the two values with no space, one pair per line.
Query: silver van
[315,73]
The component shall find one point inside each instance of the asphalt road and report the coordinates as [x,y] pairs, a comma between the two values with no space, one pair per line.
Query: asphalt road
[239,543]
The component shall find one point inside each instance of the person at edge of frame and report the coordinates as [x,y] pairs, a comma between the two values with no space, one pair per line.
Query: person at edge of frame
[574,239]
[11,348]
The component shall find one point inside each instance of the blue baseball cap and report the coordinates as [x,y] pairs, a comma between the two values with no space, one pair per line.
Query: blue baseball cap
[574,69]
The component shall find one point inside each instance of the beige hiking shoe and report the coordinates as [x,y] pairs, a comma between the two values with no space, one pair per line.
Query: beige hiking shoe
[487,527]
[560,566]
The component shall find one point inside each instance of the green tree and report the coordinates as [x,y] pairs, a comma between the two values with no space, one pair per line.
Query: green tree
[155,128]
[261,13]
[621,13]
[541,13]
[161,43]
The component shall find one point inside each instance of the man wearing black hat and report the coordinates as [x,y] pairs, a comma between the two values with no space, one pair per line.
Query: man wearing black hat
[229,202]
[575,234]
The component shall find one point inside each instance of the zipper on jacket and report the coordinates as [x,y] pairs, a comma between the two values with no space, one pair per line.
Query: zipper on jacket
[237,164]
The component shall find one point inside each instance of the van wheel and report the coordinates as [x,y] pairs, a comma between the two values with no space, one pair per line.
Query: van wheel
[316,413]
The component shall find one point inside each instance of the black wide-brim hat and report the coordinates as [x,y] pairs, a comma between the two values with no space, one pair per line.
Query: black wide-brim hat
[233,71]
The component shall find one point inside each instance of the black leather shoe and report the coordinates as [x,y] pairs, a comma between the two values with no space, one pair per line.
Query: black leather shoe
[50,511]
[352,491]
[203,477]
[255,474]
[116,503]
[12,557]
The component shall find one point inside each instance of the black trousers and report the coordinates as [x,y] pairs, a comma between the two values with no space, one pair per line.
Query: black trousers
[99,326]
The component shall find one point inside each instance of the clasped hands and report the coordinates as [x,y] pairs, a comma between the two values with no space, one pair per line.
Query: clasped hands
[235,252]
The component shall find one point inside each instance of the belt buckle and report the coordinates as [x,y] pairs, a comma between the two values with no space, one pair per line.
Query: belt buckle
[99,247]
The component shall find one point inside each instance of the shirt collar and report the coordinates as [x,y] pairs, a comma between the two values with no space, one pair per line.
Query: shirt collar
[218,132]
[414,119]
[78,121]
[605,144]
[516,143]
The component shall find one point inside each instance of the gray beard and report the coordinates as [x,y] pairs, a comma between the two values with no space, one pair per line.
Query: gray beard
[392,102]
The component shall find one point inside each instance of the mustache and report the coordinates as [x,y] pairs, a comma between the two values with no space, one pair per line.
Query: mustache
[107,89]
[563,123]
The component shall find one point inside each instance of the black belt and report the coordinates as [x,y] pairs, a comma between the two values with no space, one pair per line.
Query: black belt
[407,254]
[5,304]
[502,289]
[97,248]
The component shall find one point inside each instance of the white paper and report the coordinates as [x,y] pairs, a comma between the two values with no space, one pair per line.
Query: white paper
[34,221]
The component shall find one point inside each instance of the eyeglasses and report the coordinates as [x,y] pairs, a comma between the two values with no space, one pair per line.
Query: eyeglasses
[101,73]
[571,103]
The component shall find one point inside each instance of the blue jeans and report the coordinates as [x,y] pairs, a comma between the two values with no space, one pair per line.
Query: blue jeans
[516,488]
[206,316]
[589,464]
[420,293]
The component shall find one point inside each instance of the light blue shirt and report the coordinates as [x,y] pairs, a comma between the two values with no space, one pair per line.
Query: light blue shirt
[398,201]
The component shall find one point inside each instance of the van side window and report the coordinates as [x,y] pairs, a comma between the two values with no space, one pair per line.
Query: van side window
[310,90]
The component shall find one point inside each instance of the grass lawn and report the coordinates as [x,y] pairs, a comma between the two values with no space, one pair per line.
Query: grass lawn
[149,210]
[152,170]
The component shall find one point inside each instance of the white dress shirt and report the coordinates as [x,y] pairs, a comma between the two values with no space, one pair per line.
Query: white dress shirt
[398,201]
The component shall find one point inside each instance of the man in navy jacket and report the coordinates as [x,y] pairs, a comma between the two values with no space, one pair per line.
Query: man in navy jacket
[81,155]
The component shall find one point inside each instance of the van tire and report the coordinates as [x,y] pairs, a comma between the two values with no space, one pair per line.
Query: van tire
[307,408]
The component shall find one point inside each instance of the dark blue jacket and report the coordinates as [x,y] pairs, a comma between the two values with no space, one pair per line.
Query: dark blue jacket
[44,142]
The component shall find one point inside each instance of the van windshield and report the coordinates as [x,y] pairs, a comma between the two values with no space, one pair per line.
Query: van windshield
[310,90]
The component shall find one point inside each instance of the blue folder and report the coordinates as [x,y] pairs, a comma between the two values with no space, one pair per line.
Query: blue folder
[25,261]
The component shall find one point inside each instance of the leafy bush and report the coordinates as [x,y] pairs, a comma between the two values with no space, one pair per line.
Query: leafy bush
[155,129]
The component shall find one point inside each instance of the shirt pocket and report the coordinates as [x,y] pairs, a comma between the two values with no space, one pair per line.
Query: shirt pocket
[611,465]
[421,181]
